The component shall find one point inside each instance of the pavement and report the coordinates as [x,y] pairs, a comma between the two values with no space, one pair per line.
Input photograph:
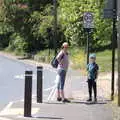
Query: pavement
[78,109]
[76,90]
[12,75]
[53,110]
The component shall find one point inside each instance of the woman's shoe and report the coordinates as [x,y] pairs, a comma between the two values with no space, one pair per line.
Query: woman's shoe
[89,100]
[95,100]
[59,99]
[66,100]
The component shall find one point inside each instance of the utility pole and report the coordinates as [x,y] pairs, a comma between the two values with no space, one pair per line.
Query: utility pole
[119,53]
[119,68]
[55,25]
[114,39]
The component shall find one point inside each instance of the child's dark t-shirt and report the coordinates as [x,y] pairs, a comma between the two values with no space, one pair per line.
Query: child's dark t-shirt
[92,71]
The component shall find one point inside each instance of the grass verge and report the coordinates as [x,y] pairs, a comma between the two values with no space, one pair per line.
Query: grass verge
[77,58]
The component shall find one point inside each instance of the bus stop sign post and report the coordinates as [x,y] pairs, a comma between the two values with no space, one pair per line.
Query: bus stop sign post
[88,24]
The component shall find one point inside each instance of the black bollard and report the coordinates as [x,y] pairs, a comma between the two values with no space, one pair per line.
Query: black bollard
[28,94]
[39,84]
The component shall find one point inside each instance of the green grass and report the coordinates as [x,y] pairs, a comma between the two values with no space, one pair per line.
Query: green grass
[115,100]
[78,58]
[104,59]
[15,52]
[44,56]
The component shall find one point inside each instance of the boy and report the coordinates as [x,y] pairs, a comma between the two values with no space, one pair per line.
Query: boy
[92,69]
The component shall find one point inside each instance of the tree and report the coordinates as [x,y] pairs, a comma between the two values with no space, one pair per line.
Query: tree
[30,19]
[71,18]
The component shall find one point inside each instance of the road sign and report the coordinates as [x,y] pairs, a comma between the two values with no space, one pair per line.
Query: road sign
[118,9]
[109,9]
[88,20]
[108,13]
[109,4]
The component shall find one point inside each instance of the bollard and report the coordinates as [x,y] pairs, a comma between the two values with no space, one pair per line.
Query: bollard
[39,84]
[28,94]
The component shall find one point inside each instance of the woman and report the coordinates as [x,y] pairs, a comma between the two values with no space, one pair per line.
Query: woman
[63,60]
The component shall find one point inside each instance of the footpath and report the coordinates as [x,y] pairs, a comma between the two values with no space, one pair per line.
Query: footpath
[78,109]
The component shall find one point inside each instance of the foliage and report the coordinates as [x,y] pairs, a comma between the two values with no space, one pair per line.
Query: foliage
[77,58]
[71,17]
[33,22]
[17,43]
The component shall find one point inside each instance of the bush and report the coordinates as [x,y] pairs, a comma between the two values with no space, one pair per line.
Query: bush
[44,56]
[78,58]
[17,44]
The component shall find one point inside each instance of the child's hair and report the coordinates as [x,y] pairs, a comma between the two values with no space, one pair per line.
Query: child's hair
[92,56]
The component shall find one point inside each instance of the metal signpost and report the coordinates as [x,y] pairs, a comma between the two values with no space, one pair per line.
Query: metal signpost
[110,12]
[88,25]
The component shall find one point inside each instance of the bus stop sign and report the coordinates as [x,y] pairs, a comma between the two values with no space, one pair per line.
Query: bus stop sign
[88,20]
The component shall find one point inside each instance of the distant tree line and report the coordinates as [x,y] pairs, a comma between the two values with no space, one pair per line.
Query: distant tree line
[28,25]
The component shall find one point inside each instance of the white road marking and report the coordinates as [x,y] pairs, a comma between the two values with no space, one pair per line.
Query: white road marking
[50,69]
[7,107]
[22,77]
[3,118]
[8,110]
[17,111]
[48,89]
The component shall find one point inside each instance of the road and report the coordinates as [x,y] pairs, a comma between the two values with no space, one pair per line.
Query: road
[12,80]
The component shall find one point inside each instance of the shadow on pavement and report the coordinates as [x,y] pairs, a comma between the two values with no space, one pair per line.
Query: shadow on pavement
[92,103]
[55,103]
[78,102]
[52,118]
[89,103]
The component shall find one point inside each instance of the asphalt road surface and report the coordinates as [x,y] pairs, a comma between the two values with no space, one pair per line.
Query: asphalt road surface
[12,80]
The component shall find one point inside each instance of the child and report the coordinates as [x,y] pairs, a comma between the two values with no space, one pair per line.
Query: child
[92,69]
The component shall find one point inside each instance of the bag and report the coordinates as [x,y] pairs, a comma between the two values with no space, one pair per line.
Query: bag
[55,62]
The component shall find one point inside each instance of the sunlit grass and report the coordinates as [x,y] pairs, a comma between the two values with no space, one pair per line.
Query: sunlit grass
[78,58]
[103,59]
